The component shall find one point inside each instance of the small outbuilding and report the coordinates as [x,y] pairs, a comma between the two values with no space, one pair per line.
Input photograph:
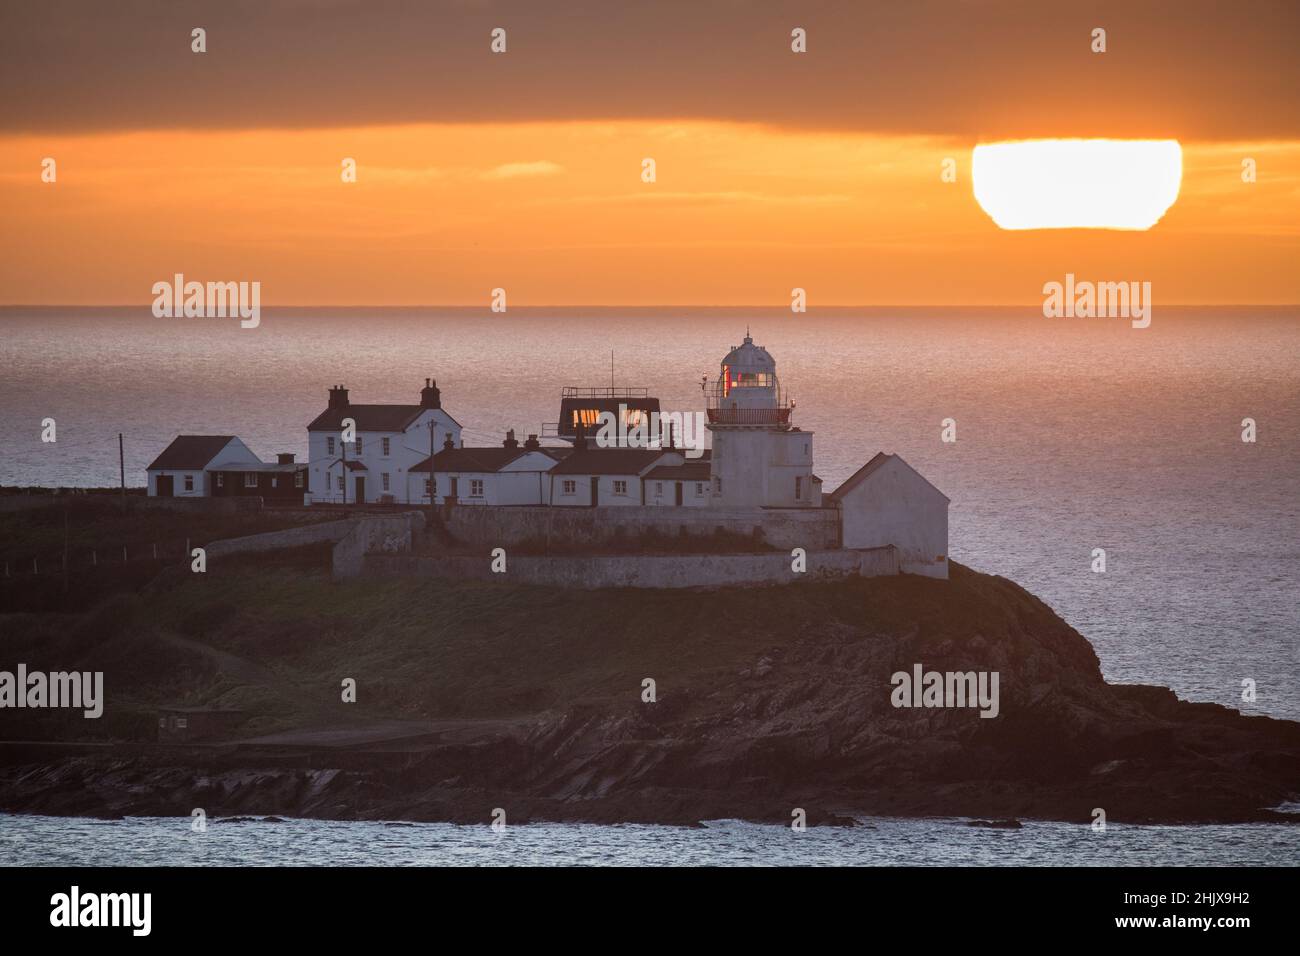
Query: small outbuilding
[888,502]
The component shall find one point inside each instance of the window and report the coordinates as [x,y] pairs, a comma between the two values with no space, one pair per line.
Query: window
[329,444]
[798,487]
[189,482]
[340,482]
[699,488]
[732,380]
[250,479]
[162,722]
[388,447]
[620,487]
[384,477]
[221,479]
[275,481]
[182,723]
[428,487]
[297,479]
[717,485]
[476,487]
[570,487]
[659,489]
[358,445]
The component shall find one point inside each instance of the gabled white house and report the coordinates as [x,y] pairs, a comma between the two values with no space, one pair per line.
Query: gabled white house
[683,486]
[181,471]
[606,477]
[389,441]
[513,474]
[888,502]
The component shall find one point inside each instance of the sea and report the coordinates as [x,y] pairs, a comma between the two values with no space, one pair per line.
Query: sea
[171,841]
[1075,440]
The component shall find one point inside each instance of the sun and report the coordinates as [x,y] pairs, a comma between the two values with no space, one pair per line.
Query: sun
[1077,183]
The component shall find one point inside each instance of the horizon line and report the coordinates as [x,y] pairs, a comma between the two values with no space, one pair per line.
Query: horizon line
[660,305]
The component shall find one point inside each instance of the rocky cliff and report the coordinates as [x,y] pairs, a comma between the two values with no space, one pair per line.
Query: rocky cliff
[766,700]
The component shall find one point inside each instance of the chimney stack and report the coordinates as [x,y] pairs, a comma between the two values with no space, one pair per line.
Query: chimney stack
[430,396]
[511,441]
[284,458]
[532,444]
[338,397]
[447,443]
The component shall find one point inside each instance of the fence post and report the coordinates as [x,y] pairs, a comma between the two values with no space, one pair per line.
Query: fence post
[124,554]
[35,569]
[94,558]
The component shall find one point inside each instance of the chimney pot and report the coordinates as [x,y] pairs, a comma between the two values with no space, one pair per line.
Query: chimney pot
[430,396]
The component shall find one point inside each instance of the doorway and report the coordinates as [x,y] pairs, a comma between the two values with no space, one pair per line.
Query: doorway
[679,493]
[361,489]
[595,491]
[166,486]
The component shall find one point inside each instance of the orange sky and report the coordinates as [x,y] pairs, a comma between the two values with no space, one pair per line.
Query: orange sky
[523,171]
[556,213]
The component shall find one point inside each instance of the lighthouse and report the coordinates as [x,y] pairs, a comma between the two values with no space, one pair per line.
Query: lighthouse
[760,460]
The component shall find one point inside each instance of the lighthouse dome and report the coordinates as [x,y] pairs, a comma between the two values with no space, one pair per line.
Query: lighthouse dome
[749,356]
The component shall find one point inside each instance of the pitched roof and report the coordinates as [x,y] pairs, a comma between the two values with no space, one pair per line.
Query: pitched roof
[870,468]
[608,461]
[190,452]
[690,471]
[472,459]
[369,418]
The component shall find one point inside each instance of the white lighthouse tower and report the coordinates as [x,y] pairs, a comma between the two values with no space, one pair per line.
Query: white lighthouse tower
[759,459]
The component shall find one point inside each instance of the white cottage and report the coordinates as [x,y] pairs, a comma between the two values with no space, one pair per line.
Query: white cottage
[389,441]
[513,474]
[606,477]
[684,486]
[181,471]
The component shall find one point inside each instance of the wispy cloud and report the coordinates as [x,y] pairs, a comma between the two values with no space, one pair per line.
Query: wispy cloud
[524,170]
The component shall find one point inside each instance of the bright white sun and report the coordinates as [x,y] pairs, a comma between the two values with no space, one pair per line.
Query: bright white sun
[1077,183]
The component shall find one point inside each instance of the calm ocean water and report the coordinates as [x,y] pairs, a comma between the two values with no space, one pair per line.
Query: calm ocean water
[59,841]
[1072,435]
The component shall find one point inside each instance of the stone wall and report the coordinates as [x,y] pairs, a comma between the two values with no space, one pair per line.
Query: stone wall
[814,529]
[332,531]
[377,536]
[218,506]
[639,571]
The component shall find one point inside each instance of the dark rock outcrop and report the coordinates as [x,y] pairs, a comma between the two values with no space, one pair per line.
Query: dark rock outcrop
[805,724]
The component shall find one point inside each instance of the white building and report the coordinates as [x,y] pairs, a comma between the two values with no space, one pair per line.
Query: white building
[759,459]
[606,477]
[181,471]
[389,441]
[685,486]
[888,502]
[513,474]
